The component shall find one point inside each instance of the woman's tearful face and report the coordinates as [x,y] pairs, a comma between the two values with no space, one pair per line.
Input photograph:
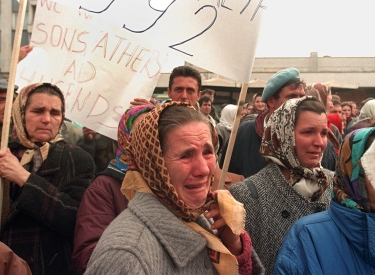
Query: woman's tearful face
[190,159]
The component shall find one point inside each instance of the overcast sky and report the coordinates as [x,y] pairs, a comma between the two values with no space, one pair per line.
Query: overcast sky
[330,27]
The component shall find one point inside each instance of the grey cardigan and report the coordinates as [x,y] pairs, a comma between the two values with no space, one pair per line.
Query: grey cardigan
[147,238]
[278,206]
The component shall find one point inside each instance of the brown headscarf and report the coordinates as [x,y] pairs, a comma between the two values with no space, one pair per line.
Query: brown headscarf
[145,155]
[36,153]
[323,90]
[147,173]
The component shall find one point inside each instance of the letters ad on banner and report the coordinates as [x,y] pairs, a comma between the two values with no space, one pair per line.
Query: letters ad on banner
[217,35]
[100,68]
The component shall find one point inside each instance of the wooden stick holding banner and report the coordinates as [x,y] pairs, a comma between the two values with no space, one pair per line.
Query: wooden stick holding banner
[233,134]
[4,190]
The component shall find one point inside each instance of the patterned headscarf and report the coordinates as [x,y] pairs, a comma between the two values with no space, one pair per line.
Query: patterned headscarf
[278,145]
[36,153]
[147,173]
[349,187]
[125,125]
[145,156]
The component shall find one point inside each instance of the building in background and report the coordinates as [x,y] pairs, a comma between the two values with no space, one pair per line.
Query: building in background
[8,21]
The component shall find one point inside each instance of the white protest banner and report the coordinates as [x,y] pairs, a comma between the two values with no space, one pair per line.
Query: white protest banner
[217,35]
[99,68]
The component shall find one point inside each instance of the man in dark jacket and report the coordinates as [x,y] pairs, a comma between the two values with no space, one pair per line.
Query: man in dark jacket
[246,159]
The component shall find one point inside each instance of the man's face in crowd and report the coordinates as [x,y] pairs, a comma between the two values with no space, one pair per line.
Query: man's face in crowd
[286,93]
[3,95]
[206,108]
[184,89]
[336,109]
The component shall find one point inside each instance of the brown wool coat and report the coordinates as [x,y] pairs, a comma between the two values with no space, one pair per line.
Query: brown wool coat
[40,225]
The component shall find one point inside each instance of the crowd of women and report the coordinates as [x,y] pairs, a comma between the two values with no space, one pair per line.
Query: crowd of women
[153,211]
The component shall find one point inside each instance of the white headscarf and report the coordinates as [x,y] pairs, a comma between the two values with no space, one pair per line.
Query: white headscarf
[228,114]
[368,109]
[367,112]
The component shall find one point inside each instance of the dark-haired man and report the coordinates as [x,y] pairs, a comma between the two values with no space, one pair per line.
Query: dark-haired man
[184,85]
[205,104]
[211,94]
[336,107]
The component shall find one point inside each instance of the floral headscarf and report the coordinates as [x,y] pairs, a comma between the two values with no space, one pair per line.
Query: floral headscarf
[125,125]
[36,152]
[349,187]
[146,160]
[278,146]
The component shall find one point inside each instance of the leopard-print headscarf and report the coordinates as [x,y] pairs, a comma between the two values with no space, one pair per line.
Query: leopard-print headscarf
[145,156]
[147,173]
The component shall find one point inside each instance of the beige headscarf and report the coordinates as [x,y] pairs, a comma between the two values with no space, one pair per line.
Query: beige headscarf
[147,173]
[35,154]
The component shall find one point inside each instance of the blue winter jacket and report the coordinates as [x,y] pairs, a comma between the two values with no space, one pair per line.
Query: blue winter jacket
[337,241]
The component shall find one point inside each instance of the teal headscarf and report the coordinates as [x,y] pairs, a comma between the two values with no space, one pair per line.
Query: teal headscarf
[349,188]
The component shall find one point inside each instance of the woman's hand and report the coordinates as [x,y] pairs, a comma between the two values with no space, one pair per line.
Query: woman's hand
[140,101]
[88,134]
[11,169]
[229,239]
